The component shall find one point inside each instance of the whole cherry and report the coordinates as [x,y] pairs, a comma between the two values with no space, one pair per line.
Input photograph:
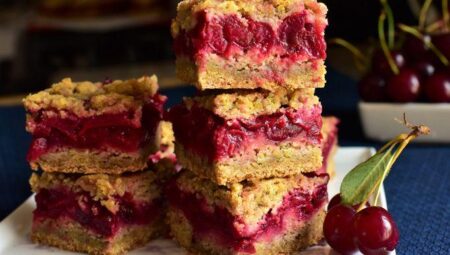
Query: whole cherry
[404,87]
[372,88]
[336,200]
[337,229]
[375,231]
[380,64]
[437,88]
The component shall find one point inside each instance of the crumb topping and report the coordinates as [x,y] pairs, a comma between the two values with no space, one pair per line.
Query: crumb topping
[250,200]
[101,187]
[88,98]
[249,104]
[263,10]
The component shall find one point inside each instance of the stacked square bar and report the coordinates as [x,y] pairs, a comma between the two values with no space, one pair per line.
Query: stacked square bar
[251,140]
[92,142]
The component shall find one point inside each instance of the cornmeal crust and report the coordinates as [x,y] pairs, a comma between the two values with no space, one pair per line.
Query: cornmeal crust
[297,238]
[86,99]
[69,235]
[251,200]
[241,73]
[87,161]
[250,103]
[282,160]
[102,187]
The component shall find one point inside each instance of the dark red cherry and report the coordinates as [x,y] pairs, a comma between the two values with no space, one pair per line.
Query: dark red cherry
[337,229]
[375,231]
[437,88]
[380,64]
[372,88]
[263,35]
[336,200]
[442,42]
[236,32]
[404,87]
[424,69]
[415,48]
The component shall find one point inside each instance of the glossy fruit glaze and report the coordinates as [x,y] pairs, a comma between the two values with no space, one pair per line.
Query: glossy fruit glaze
[80,207]
[218,223]
[295,38]
[123,131]
[208,135]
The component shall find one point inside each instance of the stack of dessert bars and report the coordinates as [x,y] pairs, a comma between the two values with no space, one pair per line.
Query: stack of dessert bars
[250,140]
[92,141]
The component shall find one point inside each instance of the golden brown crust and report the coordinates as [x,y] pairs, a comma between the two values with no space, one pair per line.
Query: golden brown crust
[242,73]
[68,160]
[271,11]
[86,98]
[295,239]
[285,159]
[250,103]
[102,187]
[251,200]
[73,237]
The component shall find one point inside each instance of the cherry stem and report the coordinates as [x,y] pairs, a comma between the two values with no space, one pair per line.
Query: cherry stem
[391,23]
[445,13]
[403,140]
[423,14]
[428,43]
[384,45]
[434,26]
[360,59]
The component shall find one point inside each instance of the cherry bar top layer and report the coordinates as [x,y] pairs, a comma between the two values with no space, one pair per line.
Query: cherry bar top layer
[291,29]
[124,132]
[295,39]
[230,230]
[114,115]
[213,137]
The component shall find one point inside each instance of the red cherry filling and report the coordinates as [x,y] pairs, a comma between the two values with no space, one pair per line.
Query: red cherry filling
[221,35]
[208,135]
[80,207]
[218,223]
[122,131]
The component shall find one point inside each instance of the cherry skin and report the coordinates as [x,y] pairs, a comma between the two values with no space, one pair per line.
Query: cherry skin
[442,42]
[381,66]
[437,88]
[415,48]
[424,69]
[372,88]
[375,231]
[337,229]
[336,200]
[404,87]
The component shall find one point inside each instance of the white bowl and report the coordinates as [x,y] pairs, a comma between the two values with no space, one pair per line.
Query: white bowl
[378,120]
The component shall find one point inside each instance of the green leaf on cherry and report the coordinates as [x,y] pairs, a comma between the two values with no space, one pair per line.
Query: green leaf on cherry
[363,180]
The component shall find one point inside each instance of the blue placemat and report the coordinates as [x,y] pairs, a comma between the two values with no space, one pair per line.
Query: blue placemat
[418,188]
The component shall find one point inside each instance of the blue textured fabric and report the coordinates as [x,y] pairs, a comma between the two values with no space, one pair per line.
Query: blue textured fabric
[418,188]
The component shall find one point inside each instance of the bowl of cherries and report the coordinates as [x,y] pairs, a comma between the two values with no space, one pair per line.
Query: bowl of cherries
[408,71]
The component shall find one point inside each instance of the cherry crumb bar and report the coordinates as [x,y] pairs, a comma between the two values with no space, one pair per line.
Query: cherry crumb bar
[248,44]
[272,216]
[85,127]
[329,144]
[98,213]
[248,135]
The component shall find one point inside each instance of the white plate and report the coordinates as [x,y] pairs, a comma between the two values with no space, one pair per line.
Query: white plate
[378,120]
[15,229]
